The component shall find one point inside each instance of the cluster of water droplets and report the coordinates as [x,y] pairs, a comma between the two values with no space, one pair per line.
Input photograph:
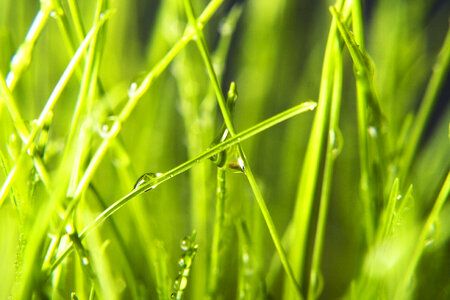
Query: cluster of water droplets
[144,179]
[189,248]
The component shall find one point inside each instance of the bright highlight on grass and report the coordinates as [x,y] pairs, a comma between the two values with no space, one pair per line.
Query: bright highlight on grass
[122,136]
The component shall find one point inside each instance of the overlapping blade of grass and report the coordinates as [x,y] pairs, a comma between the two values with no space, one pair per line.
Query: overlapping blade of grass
[38,229]
[382,269]
[309,179]
[242,136]
[201,43]
[333,148]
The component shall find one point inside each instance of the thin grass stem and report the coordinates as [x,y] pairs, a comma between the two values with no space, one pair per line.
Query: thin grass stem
[22,58]
[434,86]
[333,148]
[312,162]
[217,234]
[442,197]
[201,44]
[51,103]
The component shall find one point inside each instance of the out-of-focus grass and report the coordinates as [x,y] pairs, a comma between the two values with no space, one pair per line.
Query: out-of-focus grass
[356,190]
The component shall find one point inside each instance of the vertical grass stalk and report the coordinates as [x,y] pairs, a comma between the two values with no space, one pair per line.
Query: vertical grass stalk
[201,44]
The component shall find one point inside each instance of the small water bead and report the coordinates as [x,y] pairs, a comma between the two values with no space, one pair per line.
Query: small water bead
[147,177]
[234,161]
[182,262]
[132,90]
[56,12]
[185,244]
[180,283]
[85,261]
[34,177]
[229,159]
[311,105]
[373,131]
[319,283]
[177,295]
[73,296]
[13,146]
[431,235]
[336,141]
[69,228]
[110,127]
[245,258]
[186,260]
[219,158]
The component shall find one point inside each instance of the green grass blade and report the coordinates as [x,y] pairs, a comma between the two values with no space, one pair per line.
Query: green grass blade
[307,106]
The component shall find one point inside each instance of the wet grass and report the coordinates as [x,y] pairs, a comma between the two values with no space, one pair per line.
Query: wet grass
[295,150]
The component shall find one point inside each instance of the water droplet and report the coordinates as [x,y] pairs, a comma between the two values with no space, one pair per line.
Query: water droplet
[85,261]
[182,262]
[73,296]
[32,150]
[332,137]
[69,228]
[336,141]
[232,97]
[185,244]
[147,177]
[245,258]
[53,14]
[234,161]
[132,90]
[110,127]
[317,279]
[173,295]
[431,235]
[228,159]
[180,283]
[373,131]
[187,259]
[219,158]
[312,106]
[13,146]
